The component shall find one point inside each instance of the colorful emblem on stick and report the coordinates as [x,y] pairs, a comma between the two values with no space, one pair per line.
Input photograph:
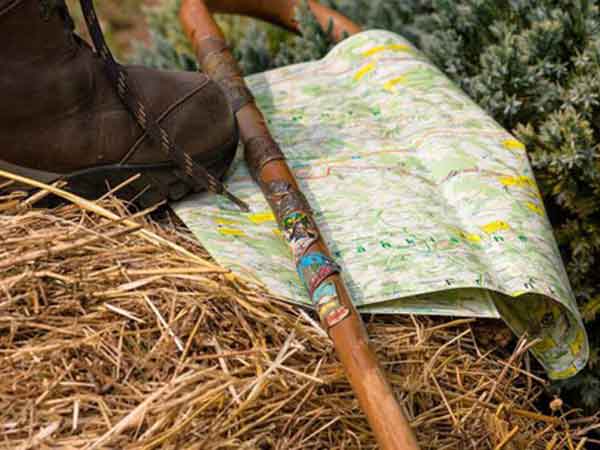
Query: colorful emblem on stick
[295,201]
[326,289]
[314,268]
[329,308]
[300,231]
[285,199]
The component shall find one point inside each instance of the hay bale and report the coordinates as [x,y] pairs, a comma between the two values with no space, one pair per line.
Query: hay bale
[118,332]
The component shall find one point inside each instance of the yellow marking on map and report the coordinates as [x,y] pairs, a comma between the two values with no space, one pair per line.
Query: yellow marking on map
[513,145]
[471,237]
[231,232]
[392,47]
[545,344]
[535,208]
[577,345]
[364,70]
[390,85]
[262,217]
[494,227]
[277,232]
[222,221]
[517,293]
[559,374]
[521,181]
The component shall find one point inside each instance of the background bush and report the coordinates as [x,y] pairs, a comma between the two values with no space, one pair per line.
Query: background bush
[534,65]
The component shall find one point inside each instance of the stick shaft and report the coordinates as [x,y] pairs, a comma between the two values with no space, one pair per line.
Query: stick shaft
[343,323]
[282,13]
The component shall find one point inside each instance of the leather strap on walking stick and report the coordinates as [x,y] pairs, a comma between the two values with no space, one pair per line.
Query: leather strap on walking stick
[219,64]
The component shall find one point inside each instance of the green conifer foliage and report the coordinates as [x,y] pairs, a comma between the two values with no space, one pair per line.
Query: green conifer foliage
[534,65]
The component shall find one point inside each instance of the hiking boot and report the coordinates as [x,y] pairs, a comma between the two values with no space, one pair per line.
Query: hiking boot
[61,116]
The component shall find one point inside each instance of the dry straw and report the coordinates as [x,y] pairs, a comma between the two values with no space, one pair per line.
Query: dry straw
[119,333]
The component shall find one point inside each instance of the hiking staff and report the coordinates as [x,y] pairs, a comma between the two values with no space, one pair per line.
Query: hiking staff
[283,13]
[316,268]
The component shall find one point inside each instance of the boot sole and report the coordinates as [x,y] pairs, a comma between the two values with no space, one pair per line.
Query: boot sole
[157,182]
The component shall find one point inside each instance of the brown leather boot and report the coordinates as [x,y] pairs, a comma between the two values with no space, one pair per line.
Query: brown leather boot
[61,117]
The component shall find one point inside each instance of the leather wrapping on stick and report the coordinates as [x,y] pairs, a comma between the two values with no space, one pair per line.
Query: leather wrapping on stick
[261,150]
[220,65]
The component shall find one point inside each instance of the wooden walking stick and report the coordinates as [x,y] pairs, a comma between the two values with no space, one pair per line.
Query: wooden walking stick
[283,13]
[316,268]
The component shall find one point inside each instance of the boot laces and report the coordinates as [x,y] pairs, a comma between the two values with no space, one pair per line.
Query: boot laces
[194,173]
